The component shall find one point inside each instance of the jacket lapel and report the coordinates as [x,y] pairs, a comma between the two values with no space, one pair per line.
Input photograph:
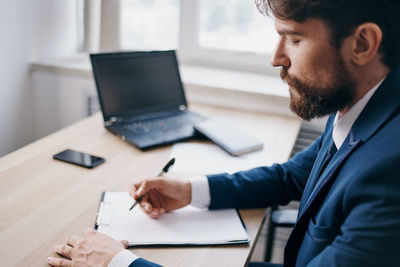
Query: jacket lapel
[321,179]
[314,175]
[329,173]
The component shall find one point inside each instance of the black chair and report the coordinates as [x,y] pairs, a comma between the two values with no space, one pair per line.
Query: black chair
[278,218]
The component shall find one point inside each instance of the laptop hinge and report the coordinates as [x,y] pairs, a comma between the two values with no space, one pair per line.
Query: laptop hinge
[111,121]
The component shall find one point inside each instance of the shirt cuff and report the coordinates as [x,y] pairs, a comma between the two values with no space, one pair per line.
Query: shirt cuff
[123,259]
[200,192]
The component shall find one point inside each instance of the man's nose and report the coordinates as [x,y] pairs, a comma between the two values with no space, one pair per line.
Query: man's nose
[279,58]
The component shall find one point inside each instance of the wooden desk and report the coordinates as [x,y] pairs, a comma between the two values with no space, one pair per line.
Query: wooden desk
[44,201]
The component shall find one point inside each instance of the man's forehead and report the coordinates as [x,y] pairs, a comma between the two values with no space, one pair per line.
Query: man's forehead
[294,27]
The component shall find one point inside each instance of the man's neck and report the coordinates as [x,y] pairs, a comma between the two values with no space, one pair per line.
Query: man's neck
[366,79]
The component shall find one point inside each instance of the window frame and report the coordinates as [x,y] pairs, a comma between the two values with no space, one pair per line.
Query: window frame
[189,51]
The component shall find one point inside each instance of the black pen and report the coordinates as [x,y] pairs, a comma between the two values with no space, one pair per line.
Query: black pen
[163,171]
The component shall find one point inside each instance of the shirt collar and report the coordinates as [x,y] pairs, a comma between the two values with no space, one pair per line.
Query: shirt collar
[342,124]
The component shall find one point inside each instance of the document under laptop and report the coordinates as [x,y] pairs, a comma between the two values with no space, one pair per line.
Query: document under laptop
[142,97]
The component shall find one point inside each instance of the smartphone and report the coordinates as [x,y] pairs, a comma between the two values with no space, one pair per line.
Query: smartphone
[78,158]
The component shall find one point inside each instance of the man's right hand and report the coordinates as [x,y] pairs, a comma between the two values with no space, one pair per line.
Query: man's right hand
[163,194]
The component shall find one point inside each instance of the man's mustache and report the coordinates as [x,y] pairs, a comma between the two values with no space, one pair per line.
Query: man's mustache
[290,80]
[284,73]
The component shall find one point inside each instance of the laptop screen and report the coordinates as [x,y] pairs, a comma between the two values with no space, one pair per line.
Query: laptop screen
[137,83]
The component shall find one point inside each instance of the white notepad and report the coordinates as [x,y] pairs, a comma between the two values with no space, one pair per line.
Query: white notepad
[186,226]
[213,159]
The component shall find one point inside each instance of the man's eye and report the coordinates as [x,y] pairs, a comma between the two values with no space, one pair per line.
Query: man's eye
[292,41]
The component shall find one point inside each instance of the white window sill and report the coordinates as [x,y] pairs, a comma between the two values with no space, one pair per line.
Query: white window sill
[228,88]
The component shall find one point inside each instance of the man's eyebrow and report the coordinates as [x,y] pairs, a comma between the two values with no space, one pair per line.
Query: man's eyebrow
[289,32]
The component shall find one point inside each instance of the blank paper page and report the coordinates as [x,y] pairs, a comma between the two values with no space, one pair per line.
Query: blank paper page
[186,226]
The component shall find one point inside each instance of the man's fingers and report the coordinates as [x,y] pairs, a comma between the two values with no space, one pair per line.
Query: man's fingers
[133,189]
[138,189]
[146,206]
[152,212]
[59,262]
[150,184]
[125,243]
[142,190]
[90,232]
[72,240]
[63,250]
[155,213]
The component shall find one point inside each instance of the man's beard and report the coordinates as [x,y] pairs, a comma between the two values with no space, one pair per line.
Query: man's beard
[310,101]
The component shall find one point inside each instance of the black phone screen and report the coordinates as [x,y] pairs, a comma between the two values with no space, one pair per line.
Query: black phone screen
[78,158]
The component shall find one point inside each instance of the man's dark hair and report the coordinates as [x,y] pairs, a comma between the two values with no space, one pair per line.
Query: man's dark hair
[343,16]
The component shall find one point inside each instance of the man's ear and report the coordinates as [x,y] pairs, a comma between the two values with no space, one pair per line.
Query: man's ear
[367,39]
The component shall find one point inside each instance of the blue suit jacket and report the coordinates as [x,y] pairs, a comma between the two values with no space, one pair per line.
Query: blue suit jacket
[350,214]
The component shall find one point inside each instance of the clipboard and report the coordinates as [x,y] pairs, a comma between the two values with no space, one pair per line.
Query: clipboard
[188,226]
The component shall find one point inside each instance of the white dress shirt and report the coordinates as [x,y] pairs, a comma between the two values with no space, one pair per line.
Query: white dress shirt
[343,124]
[201,190]
[123,259]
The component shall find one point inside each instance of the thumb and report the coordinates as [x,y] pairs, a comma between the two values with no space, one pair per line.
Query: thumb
[125,243]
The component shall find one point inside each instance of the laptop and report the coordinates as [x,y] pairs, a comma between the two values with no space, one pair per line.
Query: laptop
[142,97]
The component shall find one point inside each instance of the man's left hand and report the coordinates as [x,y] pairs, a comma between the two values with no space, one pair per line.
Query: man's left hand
[93,249]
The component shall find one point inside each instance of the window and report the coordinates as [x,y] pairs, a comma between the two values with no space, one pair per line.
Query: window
[234,25]
[224,33]
[149,24]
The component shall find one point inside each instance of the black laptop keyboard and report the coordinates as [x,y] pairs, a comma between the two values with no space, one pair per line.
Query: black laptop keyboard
[163,124]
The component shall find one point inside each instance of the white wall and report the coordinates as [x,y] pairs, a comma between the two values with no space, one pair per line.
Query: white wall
[67,92]
[28,29]
[15,96]
[55,28]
